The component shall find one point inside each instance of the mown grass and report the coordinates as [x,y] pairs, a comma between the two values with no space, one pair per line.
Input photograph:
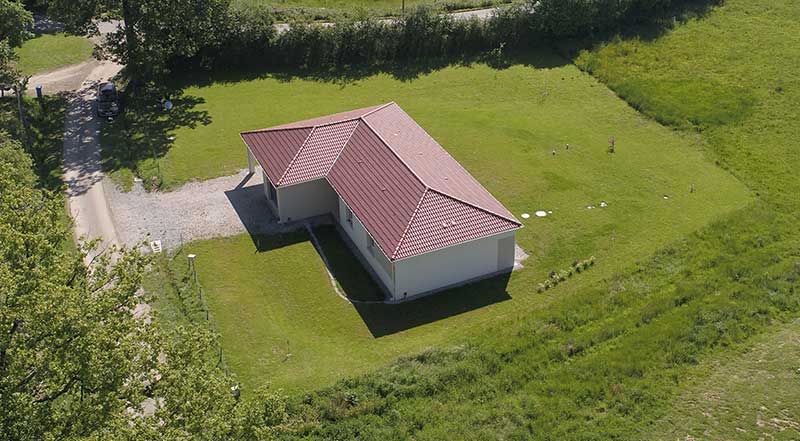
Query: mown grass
[507,144]
[614,354]
[269,300]
[50,51]
[598,363]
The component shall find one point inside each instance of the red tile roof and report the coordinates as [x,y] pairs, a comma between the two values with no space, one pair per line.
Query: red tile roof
[409,193]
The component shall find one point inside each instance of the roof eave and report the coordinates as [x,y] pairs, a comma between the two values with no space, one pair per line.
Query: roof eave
[518,227]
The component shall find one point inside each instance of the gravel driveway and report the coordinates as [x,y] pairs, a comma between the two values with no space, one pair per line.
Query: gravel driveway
[199,210]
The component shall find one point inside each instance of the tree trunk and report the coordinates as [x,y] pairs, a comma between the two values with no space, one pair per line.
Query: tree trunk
[131,43]
[19,89]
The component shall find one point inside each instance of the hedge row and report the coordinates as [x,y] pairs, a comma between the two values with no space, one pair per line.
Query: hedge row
[253,38]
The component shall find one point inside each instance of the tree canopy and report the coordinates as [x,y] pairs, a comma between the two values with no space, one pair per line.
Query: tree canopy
[155,34]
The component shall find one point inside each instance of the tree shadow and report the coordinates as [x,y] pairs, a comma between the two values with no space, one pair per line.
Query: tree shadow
[144,132]
[538,57]
[45,132]
[646,24]
[386,319]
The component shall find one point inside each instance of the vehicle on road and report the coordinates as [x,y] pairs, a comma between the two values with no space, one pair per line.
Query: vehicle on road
[108,100]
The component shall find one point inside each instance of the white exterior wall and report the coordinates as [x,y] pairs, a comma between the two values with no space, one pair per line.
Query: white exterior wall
[272,204]
[358,235]
[305,200]
[453,265]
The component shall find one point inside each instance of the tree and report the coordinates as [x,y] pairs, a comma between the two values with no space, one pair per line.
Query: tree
[154,34]
[14,23]
[74,360]
[68,341]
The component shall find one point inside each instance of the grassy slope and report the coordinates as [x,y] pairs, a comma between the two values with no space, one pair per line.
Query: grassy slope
[49,52]
[608,361]
[752,395]
[507,144]
[750,50]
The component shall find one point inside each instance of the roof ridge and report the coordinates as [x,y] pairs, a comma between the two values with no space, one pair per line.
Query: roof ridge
[289,166]
[314,126]
[381,107]
[475,206]
[275,129]
[375,132]
[344,145]
[410,221]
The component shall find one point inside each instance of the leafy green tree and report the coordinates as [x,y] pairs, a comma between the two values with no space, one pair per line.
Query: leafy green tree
[14,22]
[154,34]
[76,362]
[68,341]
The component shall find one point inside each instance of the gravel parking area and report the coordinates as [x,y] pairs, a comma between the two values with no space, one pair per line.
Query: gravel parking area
[198,210]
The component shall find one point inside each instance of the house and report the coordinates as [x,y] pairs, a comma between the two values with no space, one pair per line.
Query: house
[415,217]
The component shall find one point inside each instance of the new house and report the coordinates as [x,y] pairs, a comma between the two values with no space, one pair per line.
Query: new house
[414,216]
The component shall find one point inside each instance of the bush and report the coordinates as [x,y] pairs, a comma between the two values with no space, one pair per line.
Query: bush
[250,36]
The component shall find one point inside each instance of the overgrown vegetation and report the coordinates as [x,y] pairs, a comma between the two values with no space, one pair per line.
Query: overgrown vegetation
[331,10]
[747,395]
[75,362]
[426,33]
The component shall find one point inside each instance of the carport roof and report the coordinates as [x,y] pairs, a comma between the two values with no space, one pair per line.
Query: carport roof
[409,193]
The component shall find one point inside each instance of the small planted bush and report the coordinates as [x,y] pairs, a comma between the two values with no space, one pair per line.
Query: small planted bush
[559,276]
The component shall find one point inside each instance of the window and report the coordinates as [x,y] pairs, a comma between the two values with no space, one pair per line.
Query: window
[348,215]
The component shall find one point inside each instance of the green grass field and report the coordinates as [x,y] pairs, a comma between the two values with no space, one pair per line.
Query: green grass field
[272,302]
[48,52]
[752,395]
[683,303]
[746,108]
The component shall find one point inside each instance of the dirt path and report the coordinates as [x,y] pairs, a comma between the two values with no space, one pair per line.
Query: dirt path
[71,78]
[83,172]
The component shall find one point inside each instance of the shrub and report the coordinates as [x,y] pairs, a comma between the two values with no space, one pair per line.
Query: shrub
[250,36]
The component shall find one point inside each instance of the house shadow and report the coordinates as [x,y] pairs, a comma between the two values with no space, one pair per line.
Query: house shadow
[385,319]
[253,210]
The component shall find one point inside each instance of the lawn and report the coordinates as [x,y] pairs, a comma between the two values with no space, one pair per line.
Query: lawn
[50,51]
[678,292]
[275,299]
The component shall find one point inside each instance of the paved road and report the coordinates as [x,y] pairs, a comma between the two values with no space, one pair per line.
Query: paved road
[83,171]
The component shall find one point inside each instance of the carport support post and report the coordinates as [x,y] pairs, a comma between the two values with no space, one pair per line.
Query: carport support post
[251,162]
